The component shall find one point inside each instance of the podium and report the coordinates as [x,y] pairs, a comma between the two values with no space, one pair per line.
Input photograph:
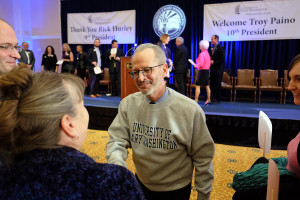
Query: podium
[127,82]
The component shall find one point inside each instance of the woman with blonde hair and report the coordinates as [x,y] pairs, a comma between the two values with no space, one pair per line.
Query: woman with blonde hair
[43,124]
[203,65]
[68,58]
[163,41]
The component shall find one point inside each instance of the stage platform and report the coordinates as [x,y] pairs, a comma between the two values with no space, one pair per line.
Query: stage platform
[233,123]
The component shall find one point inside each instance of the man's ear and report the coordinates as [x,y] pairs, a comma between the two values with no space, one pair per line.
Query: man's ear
[165,70]
[68,126]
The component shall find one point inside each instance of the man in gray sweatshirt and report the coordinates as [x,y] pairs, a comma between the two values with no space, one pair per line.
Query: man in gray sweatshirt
[166,131]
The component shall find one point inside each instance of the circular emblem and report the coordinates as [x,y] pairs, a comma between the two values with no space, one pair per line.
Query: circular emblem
[169,19]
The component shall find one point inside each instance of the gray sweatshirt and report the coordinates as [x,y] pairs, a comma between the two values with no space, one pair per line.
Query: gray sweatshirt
[168,140]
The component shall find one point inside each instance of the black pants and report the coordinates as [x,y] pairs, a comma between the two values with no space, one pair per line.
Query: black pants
[180,79]
[216,76]
[94,86]
[115,79]
[81,72]
[180,194]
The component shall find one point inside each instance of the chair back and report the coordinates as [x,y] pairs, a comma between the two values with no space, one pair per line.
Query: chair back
[245,77]
[226,78]
[268,77]
[106,75]
[285,79]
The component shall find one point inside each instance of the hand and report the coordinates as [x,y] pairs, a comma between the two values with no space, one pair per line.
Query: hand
[117,58]
[212,62]
[29,66]
[94,63]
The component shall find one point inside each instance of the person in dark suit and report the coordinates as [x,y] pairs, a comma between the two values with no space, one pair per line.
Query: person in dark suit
[27,56]
[180,64]
[217,55]
[95,58]
[81,66]
[113,56]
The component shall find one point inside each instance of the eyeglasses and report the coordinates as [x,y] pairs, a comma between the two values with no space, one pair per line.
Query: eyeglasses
[11,48]
[147,71]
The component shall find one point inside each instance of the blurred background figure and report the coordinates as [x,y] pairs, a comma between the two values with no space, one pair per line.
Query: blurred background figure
[49,60]
[68,58]
[163,41]
[180,64]
[81,67]
[43,125]
[113,56]
[27,56]
[203,65]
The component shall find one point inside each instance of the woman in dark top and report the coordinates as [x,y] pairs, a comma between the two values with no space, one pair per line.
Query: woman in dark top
[43,125]
[68,58]
[49,60]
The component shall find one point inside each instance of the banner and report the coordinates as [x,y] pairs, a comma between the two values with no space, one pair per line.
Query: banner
[252,20]
[84,28]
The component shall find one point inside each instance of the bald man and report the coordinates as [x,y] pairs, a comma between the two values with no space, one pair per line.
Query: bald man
[8,47]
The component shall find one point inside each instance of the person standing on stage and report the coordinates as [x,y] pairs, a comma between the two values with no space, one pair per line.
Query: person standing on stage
[68,58]
[163,41]
[8,48]
[166,131]
[81,67]
[113,56]
[180,64]
[203,65]
[27,56]
[95,58]
[217,68]
[49,60]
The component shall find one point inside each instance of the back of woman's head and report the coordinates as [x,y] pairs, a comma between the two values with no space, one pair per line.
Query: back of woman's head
[32,106]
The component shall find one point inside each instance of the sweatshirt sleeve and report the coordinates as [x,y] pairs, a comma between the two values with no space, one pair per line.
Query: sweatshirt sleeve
[119,139]
[202,151]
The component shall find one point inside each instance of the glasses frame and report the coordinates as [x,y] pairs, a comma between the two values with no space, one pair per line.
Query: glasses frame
[142,70]
[6,47]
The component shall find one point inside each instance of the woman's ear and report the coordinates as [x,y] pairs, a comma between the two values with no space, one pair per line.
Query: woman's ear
[68,126]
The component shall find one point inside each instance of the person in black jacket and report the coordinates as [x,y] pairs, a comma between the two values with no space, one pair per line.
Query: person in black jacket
[49,60]
[27,56]
[81,62]
[113,56]
[180,64]
[95,58]
[217,55]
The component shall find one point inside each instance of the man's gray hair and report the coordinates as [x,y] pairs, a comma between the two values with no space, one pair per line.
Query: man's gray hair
[159,54]
[180,39]
[204,44]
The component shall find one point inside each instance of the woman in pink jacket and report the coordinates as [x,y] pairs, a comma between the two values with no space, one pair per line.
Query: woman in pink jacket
[203,65]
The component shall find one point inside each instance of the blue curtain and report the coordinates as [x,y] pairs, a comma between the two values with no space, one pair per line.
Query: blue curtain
[271,54]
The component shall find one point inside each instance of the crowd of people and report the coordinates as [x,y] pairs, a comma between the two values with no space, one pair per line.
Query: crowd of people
[43,124]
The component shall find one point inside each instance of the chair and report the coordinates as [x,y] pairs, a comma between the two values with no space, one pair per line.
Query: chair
[227,83]
[245,80]
[269,81]
[192,80]
[286,83]
[106,80]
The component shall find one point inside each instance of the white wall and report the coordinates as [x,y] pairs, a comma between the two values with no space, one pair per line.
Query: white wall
[36,22]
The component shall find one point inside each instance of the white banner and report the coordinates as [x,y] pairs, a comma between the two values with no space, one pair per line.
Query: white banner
[84,28]
[253,20]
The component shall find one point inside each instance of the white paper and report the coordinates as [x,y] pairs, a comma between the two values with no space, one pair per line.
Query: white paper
[113,51]
[59,62]
[192,62]
[97,70]
[264,126]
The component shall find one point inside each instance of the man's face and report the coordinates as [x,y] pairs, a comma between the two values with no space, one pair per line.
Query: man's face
[153,83]
[78,49]
[177,43]
[214,41]
[8,57]
[115,45]
[25,46]
[97,43]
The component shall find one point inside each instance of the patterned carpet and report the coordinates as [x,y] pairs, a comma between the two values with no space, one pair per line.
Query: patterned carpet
[228,160]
